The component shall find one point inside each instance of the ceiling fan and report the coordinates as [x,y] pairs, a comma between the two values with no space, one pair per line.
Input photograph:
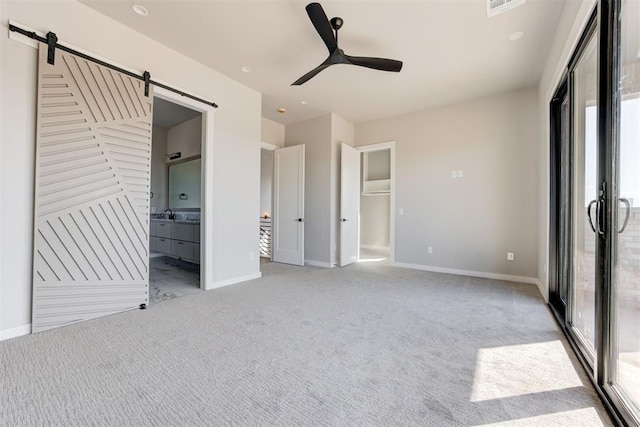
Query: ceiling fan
[326,30]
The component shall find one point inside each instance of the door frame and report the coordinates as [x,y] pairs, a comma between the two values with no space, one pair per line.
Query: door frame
[207,182]
[391,146]
[269,147]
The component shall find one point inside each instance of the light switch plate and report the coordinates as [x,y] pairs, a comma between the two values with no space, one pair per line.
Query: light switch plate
[460,173]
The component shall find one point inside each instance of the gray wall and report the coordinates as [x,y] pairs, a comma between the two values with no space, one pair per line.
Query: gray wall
[266,181]
[185,138]
[471,222]
[272,132]
[159,178]
[315,134]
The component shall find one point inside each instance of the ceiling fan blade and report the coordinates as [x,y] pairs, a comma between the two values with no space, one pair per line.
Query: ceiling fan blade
[375,63]
[312,73]
[321,22]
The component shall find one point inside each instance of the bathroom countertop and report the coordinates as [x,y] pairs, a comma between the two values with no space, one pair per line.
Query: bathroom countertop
[177,221]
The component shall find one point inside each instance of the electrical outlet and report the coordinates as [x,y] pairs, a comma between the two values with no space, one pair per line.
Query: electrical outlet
[251,256]
[460,173]
[429,250]
[510,256]
[454,174]
[401,211]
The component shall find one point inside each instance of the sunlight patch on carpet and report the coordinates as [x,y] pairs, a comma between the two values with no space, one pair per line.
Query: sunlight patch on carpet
[578,417]
[517,370]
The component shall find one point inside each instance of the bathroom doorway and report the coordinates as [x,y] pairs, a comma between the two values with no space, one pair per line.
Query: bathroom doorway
[176,189]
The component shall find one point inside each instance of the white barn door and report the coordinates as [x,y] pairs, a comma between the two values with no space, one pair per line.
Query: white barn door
[288,205]
[93,156]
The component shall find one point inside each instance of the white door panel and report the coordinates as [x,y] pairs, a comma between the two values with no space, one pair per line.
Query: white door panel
[288,205]
[93,157]
[349,204]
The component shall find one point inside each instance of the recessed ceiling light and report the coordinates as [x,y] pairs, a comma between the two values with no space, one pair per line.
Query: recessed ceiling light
[304,102]
[139,9]
[516,36]
[281,110]
[246,69]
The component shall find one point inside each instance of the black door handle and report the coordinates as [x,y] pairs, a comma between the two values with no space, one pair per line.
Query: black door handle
[343,220]
[626,217]
[591,203]
[299,219]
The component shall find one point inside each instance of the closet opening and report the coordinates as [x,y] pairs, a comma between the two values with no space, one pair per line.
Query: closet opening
[375,204]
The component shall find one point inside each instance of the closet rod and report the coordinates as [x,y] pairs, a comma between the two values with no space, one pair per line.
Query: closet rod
[52,41]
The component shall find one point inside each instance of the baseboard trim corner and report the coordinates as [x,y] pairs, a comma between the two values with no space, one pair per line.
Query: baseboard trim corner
[471,273]
[543,292]
[233,281]
[6,334]
[375,247]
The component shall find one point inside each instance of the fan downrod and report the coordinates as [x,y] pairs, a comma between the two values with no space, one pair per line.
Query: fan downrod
[336,23]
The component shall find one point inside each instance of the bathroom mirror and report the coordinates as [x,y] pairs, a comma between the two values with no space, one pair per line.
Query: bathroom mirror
[184,184]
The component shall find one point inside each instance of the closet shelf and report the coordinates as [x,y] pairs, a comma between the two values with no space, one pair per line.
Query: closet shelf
[378,186]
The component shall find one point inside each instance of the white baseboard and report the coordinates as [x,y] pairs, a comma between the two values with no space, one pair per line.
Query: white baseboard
[317,263]
[233,281]
[375,247]
[484,275]
[18,331]
[543,292]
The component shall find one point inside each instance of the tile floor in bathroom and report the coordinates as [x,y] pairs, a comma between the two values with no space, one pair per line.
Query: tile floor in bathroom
[171,278]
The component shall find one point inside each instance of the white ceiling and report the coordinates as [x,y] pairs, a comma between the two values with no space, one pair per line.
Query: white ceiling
[450,49]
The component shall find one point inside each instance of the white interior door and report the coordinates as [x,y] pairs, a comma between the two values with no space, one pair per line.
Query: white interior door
[349,205]
[93,157]
[288,205]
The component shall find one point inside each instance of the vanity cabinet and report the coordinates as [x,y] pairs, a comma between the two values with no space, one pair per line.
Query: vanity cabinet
[163,229]
[181,240]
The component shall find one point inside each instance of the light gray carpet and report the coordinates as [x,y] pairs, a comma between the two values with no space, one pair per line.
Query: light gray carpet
[364,345]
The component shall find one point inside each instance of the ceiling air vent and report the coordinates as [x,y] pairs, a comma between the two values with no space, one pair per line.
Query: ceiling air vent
[496,7]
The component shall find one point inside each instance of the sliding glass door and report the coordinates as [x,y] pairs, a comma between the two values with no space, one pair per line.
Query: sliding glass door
[584,193]
[625,308]
[595,200]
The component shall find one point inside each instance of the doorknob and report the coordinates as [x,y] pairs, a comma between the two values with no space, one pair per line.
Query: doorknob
[299,219]
[343,220]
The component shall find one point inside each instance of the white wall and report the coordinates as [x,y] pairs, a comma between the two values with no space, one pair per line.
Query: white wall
[341,132]
[185,138]
[272,132]
[374,221]
[159,178]
[266,181]
[571,24]
[471,222]
[315,134]
[374,210]
[236,144]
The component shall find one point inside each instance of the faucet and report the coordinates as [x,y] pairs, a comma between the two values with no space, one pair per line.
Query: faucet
[171,214]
